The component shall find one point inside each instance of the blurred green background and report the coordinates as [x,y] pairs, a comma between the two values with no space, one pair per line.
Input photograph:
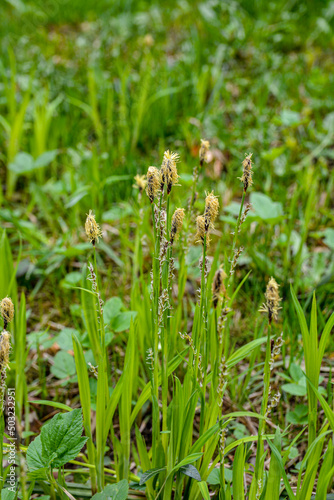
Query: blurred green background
[93,92]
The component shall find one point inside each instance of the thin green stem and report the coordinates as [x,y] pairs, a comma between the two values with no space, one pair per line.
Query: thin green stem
[264,405]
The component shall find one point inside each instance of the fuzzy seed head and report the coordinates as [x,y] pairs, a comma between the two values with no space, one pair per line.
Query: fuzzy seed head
[200,226]
[211,210]
[177,222]
[169,175]
[153,183]
[203,151]
[141,182]
[7,310]
[272,300]
[4,350]
[218,287]
[92,229]
[247,176]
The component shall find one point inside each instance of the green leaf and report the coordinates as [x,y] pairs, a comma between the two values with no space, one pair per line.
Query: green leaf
[7,494]
[295,389]
[265,208]
[238,473]
[329,237]
[64,365]
[22,164]
[188,460]
[204,490]
[35,460]
[150,473]
[111,309]
[191,471]
[296,372]
[45,158]
[118,491]
[123,321]
[62,438]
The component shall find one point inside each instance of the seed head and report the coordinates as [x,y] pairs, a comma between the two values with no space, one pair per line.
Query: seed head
[153,183]
[211,210]
[169,174]
[7,311]
[200,226]
[141,182]
[247,178]
[177,221]
[272,300]
[203,151]
[218,287]
[92,229]
[4,350]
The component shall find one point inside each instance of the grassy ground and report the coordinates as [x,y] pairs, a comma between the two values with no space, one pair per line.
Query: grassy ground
[92,93]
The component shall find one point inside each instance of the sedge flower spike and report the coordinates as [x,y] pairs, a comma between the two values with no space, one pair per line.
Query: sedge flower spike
[177,221]
[7,311]
[218,287]
[92,229]
[169,175]
[153,183]
[141,182]
[211,210]
[201,232]
[271,306]
[203,151]
[247,176]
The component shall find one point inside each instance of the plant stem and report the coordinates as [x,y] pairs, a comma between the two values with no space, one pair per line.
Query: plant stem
[264,405]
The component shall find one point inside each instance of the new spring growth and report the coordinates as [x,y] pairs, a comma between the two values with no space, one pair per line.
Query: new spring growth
[169,174]
[92,229]
[7,311]
[271,306]
[177,221]
[211,210]
[218,287]
[153,183]
[203,151]
[248,172]
[141,182]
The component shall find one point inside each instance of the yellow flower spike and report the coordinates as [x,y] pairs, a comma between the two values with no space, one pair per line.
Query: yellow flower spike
[211,210]
[203,151]
[92,229]
[153,183]
[247,176]
[177,221]
[141,182]
[218,287]
[272,300]
[169,175]
[7,311]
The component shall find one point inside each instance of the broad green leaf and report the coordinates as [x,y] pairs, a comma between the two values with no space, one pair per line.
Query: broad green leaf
[64,365]
[7,494]
[111,309]
[123,321]
[265,208]
[35,459]
[191,471]
[62,438]
[329,237]
[118,491]
[295,389]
